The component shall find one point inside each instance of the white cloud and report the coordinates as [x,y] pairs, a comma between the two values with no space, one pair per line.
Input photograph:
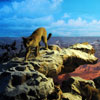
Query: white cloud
[65,15]
[77,22]
[59,23]
[95,22]
[31,8]
[28,14]
[55,3]
[27,22]
[76,27]
[60,32]
[85,28]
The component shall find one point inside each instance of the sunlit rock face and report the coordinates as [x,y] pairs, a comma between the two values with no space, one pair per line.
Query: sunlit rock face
[58,61]
[33,79]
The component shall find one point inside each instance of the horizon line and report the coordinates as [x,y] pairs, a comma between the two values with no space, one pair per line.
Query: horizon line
[52,36]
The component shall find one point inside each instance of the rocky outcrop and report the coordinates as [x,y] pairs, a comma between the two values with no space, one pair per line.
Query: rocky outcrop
[56,60]
[25,85]
[33,79]
[76,88]
[85,47]
[72,90]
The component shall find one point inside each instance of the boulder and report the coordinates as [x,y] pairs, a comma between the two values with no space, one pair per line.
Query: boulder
[25,85]
[85,47]
[72,89]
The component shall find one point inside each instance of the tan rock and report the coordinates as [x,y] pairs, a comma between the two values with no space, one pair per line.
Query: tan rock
[52,62]
[56,61]
[55,47]
[27,80]
[72,89]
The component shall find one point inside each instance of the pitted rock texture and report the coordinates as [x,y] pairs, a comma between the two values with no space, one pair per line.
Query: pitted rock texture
[25,85]
[71,88]
[55,60]
[33,79]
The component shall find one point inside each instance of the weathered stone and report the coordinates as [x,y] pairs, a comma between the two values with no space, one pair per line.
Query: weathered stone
[85,47]
[27,80]
[71,96]
[25,86]
[55,47]
[65,61]
[20,68]
[54,62]
[73,84]
[72,89]
[30,67]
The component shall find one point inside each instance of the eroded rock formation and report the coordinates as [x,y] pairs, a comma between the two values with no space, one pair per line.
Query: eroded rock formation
[25,85]
[72,90]
[33,79]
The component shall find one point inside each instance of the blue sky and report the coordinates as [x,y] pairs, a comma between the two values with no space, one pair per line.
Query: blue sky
[60,17]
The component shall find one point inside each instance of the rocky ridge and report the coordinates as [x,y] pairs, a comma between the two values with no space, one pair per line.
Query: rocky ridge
[33,79]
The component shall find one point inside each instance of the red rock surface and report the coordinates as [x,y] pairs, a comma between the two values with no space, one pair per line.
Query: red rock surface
[60,78]
[87,71]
